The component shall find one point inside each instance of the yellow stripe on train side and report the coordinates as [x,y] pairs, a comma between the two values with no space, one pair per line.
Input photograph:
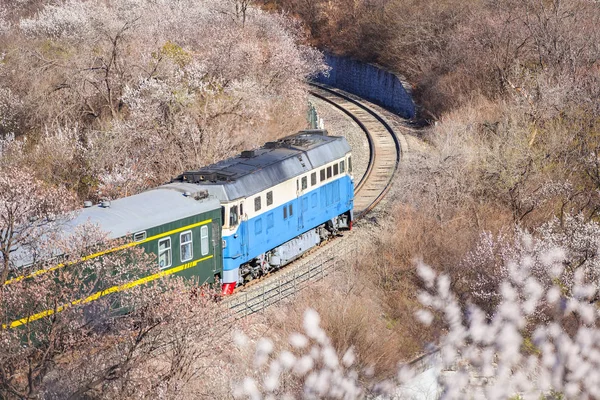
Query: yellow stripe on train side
[101,253]
[106,292]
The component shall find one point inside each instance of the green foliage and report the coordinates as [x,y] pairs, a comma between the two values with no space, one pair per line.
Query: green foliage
[529,347]
[175,53]
[53,49]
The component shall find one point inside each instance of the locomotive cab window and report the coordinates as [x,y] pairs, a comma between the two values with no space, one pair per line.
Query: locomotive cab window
[269,198]
[313,179]
[138,237]
[164,253]
[257,203]
[335,169]
[304,182]
[185,244]
[233,216]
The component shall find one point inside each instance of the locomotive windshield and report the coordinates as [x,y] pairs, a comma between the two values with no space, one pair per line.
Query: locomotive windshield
[233,216]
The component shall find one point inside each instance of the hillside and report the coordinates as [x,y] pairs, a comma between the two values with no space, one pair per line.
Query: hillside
[502,204]
[486,247]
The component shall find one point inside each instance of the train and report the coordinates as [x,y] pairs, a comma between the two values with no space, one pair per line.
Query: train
[236,220]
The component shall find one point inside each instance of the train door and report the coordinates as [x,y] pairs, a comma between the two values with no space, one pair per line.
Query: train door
[243,229]
[216,247]
[301,185]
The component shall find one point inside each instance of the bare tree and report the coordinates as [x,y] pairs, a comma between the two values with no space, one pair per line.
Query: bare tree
[241,8]
[95,327]
[27,206]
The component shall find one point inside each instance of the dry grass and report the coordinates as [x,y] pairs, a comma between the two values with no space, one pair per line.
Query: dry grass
[355,314]
[352,318]
[369,305]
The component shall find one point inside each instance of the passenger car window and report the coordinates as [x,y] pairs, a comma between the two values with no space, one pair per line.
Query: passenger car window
[349,163]
[269,198]
[313,179]
[322,172]
[204,240]
[164,253]
[335,169]
[138,237]
[328,172]
[185,246]
[304,182]
[342,166]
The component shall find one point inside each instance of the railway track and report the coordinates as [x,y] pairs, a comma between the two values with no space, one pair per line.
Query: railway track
[384,157]
[384,148]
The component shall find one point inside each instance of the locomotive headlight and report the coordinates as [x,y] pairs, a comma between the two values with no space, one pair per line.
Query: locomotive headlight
[224,243]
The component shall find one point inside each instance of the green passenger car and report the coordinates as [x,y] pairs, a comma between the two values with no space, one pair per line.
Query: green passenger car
[182,228]
[189,246]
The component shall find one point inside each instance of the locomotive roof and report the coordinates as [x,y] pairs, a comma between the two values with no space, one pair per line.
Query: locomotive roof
[275,162]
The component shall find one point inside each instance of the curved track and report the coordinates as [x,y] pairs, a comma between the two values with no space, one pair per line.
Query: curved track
[384,148]
[384,158]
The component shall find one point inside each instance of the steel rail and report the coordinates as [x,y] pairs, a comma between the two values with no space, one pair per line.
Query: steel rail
[374,146]
[362,126]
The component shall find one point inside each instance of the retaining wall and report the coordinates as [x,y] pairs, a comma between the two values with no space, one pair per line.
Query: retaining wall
[369,82]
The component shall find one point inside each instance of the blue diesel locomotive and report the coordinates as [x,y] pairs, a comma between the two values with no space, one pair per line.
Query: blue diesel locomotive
[277,201]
